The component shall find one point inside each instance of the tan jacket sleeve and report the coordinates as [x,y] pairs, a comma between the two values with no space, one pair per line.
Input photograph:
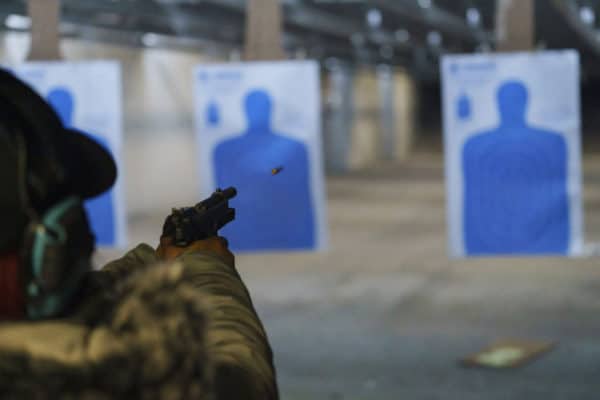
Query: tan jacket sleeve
[140,257]
[236,339]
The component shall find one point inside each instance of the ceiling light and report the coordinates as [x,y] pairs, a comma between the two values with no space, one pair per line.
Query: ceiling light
[473,16]
[434,38]
[425,3]
[374,18]
[587,15]
[14,21]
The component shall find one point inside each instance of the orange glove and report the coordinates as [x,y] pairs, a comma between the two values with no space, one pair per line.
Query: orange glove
[166,251]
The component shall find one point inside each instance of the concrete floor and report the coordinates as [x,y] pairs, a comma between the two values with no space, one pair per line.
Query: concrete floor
[386,315]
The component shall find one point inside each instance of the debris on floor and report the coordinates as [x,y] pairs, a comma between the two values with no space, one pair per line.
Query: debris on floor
[508,354]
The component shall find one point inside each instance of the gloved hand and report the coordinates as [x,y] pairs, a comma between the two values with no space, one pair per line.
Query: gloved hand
[166,251]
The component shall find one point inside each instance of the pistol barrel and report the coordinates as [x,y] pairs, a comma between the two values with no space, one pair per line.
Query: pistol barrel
[229,193]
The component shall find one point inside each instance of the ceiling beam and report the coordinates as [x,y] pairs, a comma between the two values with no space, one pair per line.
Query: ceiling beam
[308,28]
[434,18]
[570,11]
[13,6]
[314,19]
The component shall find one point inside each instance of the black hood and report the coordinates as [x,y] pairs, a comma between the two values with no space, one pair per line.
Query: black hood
[57,162]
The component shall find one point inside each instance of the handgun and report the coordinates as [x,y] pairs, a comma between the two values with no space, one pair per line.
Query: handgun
[189,224]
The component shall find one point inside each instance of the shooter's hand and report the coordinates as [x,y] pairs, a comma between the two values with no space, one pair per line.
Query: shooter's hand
[166,251]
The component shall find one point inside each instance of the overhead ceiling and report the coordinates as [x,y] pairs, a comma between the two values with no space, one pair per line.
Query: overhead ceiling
[411,33]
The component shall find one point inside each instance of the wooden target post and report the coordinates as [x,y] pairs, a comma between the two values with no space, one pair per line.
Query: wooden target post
[45,32]
[515,25]
[263,30]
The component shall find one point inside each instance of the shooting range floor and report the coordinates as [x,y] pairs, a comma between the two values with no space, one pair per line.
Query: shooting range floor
[386,315]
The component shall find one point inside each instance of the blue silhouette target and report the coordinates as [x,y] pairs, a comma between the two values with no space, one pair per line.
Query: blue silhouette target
[259,130]
[274,211]
[101,210]
[513,154]
[515,184]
